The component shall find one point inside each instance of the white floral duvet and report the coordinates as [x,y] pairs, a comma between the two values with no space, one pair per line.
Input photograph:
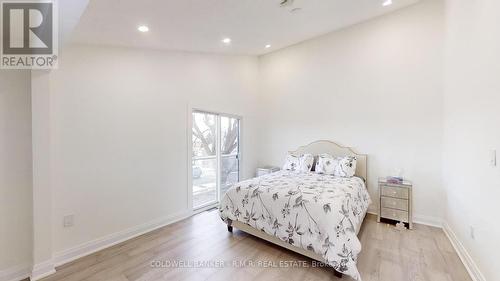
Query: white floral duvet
[316,212]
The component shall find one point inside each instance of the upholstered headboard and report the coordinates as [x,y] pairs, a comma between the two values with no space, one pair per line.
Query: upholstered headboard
[329,147]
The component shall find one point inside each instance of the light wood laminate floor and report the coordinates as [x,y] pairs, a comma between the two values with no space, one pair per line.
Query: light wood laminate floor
[388,255]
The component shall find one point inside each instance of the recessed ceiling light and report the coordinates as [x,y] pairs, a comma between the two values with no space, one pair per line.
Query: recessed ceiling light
[268,46]
[226,40]
[387,3]
[143,28]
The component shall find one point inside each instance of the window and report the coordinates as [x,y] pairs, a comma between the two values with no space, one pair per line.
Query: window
[216,156]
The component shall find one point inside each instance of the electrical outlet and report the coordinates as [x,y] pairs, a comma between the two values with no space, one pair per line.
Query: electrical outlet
[472,233]
[68,221]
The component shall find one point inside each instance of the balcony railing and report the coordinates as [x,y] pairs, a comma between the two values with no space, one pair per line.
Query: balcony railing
[205,184]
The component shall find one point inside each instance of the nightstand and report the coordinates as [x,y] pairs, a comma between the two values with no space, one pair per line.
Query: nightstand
[395,201]
[266,170]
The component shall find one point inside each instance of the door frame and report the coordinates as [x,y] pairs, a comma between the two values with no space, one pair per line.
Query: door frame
[189,131]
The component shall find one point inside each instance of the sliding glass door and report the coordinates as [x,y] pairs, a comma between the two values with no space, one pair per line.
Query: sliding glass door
[229,152]
[215,159]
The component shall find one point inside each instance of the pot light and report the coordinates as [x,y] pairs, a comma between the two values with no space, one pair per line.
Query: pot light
[387,3]
[268,46]
[143,28]
[226,41]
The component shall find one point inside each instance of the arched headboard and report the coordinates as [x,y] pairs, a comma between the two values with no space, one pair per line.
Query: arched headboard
[329,147]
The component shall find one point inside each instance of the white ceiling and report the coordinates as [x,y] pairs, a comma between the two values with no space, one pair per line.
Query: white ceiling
[69,16]
[200,25]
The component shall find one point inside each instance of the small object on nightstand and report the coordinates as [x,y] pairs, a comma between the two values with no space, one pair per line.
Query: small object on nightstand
[395,180]
[395,203]
[266,170]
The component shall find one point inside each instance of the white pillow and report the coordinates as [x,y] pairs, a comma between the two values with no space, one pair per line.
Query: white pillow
[346,167]
[325,164]
[306,162]
[292,162]
[302,163]
[336,166]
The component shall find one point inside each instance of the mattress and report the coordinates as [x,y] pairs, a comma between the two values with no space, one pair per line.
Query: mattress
[315,212]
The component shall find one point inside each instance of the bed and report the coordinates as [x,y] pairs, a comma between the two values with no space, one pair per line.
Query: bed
[316,215]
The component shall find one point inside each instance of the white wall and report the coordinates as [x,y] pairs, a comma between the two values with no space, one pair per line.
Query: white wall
[119,129]
[15,170]
[472,119]
[118,123]
[42,186]
[376,86]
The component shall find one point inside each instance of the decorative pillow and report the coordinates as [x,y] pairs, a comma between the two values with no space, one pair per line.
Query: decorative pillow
[325,164]
[346,167]
[292,163]
[336,166]
[306,162]
[301,163]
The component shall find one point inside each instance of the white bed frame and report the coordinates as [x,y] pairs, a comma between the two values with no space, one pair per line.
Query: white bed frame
[315,148]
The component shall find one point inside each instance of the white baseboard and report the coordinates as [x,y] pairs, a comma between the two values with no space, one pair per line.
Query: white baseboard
[420,219]
[428,220]
[42,270]
[91,247]
[16,273]
[467,260]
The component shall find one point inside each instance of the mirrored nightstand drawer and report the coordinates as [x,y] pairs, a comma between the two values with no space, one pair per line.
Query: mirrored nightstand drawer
[394,203]
[393,214]
[393,191]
